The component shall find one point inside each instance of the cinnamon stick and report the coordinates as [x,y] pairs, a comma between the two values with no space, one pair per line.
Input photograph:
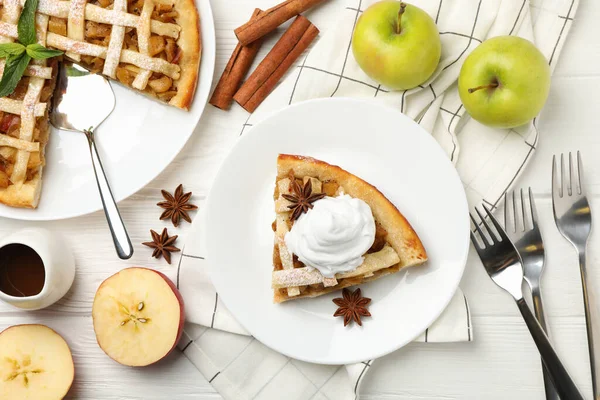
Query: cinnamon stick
[285,52]
[235,71]
[271,19]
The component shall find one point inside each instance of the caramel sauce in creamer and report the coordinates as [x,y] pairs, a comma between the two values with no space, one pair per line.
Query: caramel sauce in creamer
[22,272]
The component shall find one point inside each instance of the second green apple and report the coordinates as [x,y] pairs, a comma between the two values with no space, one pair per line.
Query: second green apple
[504,82]
[396,44]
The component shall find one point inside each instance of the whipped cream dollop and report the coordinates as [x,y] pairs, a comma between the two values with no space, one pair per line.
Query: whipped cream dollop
[333,236]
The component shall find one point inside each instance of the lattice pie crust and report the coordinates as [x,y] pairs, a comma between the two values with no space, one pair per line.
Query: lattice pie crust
[152,46]
[396,244]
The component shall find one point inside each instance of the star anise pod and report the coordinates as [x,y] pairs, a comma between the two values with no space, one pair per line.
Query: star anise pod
[162,245]
[352,306]
[176,206]
[302,198]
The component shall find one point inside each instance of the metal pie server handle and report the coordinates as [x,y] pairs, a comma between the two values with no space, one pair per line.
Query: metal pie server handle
[562,380]
[113,217]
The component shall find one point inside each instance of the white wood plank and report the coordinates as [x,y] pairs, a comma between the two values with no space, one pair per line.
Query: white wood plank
[567,124]
[580,55]
[501,363]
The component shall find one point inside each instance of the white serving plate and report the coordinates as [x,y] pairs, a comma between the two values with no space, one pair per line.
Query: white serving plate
[136,143]
[387,149]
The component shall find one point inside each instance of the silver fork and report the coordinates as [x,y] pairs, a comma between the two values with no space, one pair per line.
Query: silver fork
[502,263]
[573,218]
[522,229]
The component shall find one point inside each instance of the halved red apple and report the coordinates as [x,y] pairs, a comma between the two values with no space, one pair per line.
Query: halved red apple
[138,316]
[35,363]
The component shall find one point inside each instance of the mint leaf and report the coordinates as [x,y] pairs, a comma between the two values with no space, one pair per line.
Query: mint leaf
[11,49]
[75,72]
[13,71]
[39,52]
[26,26]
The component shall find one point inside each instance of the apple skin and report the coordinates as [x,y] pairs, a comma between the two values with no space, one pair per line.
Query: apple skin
[397,61]
[181,308]
[523,78]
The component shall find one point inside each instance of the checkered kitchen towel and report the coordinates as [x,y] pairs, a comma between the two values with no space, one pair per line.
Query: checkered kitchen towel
[240,367]
[488,161]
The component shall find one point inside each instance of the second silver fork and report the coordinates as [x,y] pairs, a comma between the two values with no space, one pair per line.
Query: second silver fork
[522,229]
[573,218]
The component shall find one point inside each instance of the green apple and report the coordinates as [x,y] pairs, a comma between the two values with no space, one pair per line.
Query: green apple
[396,44]
[504,82]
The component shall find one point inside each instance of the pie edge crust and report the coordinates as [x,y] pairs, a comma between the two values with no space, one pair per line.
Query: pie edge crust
[401,235]
[25,196]
[28,194]
[190,42]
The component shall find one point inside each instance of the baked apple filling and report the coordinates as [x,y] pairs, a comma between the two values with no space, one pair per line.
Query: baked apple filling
[159,85]
[10,126]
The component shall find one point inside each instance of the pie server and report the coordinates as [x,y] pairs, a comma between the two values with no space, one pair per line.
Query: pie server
[72,111]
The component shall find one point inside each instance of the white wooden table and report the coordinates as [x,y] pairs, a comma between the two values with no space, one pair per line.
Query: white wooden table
[501,363]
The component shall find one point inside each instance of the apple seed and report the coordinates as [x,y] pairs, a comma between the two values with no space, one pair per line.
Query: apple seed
[19,369]
[12,376]
[141,306]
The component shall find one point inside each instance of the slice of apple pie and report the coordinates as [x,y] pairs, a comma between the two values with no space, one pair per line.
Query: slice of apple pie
[334,230]
[24,131]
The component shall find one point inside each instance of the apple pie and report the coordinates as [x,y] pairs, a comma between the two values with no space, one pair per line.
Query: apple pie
[24,131]
[151,46]
[303,183]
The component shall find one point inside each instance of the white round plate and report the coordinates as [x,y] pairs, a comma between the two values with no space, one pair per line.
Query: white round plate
[388,150]
[136,143]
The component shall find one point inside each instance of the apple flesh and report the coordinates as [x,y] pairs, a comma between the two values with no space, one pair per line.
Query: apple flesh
[138,316]
[504,82]
[35,363]
[396,44]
